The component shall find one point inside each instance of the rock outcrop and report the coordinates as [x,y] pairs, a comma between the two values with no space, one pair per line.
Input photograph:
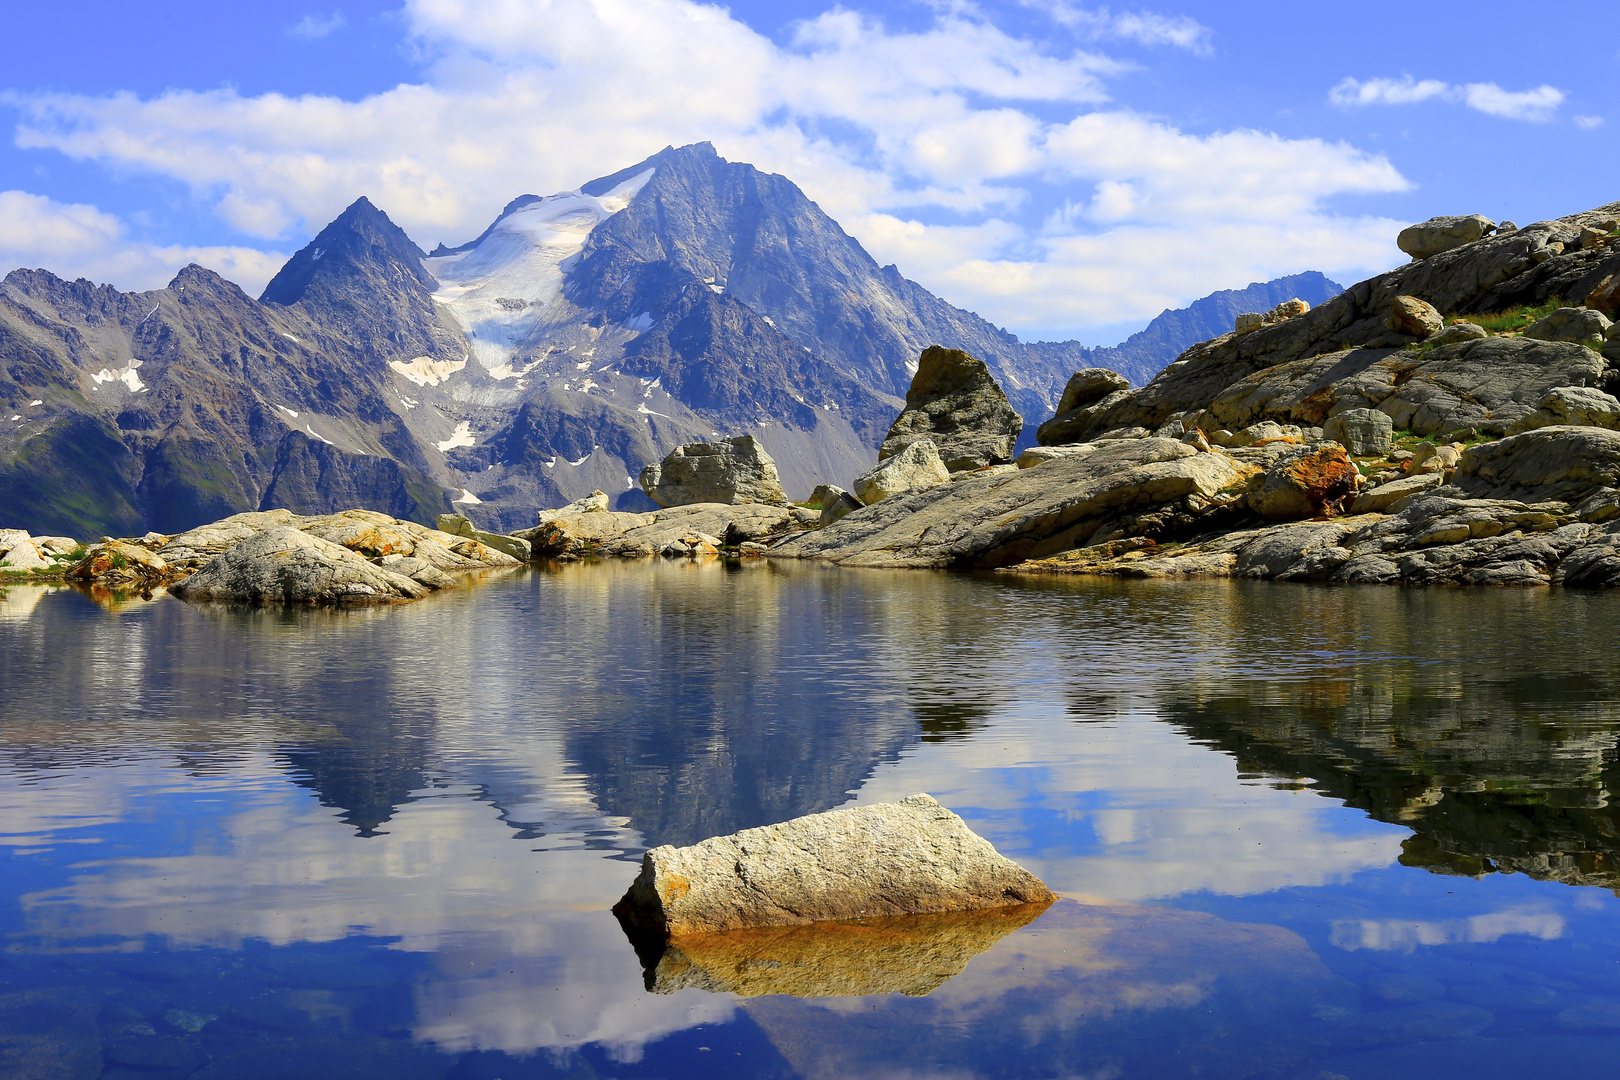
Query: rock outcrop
[595,533]
[21,553]
[736,470]
[308,572]
[957,404]
[905,858]
[916,467]
[457,525]
[1484,456]
[283,565]
[995,520]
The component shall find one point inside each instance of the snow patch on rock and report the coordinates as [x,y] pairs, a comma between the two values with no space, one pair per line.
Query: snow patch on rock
[500,289]
[426,371]
[462,436]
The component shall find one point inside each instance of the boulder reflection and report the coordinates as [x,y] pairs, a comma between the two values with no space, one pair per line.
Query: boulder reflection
[912,955]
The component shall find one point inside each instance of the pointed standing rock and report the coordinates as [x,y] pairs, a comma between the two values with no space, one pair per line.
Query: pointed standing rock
[956,402]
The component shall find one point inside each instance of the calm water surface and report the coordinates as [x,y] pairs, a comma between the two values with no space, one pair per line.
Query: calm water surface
[1298,832]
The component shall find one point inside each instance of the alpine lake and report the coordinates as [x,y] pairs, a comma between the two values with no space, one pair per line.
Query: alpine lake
[1297,832]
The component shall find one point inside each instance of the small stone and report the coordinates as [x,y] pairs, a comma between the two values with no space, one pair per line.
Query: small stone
[1410,315]
[1459,332]
[187,1020]
[905,858]
[1248,322]
[1374,500]
[1591,238]
[1288,309]
[834,502]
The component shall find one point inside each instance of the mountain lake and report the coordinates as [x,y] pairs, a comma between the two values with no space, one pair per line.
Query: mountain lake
[1297,832]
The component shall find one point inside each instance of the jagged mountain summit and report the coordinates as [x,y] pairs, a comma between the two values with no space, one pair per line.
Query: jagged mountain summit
[578,338]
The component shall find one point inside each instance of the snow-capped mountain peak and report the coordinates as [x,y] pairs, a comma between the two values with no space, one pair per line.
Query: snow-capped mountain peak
[499,287]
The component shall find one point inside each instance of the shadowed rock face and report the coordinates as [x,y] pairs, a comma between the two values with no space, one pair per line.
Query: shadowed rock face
[955,402]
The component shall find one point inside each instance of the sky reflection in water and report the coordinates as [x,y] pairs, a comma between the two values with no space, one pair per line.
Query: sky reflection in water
[1298,830]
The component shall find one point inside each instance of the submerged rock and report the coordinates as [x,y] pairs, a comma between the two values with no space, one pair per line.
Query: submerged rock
[956,403]
[734,471]
[288,566]
[903,858]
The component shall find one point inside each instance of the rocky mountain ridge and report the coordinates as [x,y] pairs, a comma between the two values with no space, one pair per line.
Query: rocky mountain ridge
[576,340]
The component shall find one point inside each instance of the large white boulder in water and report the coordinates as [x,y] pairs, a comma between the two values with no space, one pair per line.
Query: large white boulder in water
[905,858]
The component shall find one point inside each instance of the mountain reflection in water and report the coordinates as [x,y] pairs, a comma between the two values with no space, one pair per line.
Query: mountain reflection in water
[1316,829]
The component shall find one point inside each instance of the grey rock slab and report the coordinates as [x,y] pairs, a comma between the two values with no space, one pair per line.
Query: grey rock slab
[994,521]
[1571,406]
[1566,463]
[1580,325]
[1363,432]
[1039,455]
[1273,552]
[285,565]
[615,534]
[904,858]
[735,470]
[1373,500]
[917,466]
[1459,332]
[956,403]
[459,525]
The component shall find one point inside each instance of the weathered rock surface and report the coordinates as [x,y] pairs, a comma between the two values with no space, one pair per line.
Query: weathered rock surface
[905,858]
[288,566]
[834,502]
[956,403]
[1459,332]
[1086,390]
[916,467]
[1409,315]
[1579,406]
[1580,325]
[617,534]
[119,563]
[1039,455]
[1001,519]
[1374,499]
[736,470]
[457,525]
[1304,482]
[1563,463]
[913,955]
[1363,432]
[1605,296]
[1442,234]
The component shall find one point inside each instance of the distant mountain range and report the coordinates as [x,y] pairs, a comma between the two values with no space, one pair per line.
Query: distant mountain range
[579,337]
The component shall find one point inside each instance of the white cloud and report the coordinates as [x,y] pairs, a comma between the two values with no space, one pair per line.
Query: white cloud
[877,124]
[1536,106]
[75,240]
[1142,27]
[1402,91]
[1588,123]
[313,26]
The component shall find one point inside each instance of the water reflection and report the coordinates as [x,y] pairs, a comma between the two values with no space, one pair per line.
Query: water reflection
[393,836]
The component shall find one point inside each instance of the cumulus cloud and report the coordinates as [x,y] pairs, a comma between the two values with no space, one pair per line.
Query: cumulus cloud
[1536,106]
[1143,27]
[892,131]
[76,240]
[313,26]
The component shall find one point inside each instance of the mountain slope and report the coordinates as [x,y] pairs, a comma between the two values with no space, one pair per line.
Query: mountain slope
[1144,354]
[579,337]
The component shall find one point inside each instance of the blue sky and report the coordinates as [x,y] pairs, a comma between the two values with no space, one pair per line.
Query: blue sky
[1064,169]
